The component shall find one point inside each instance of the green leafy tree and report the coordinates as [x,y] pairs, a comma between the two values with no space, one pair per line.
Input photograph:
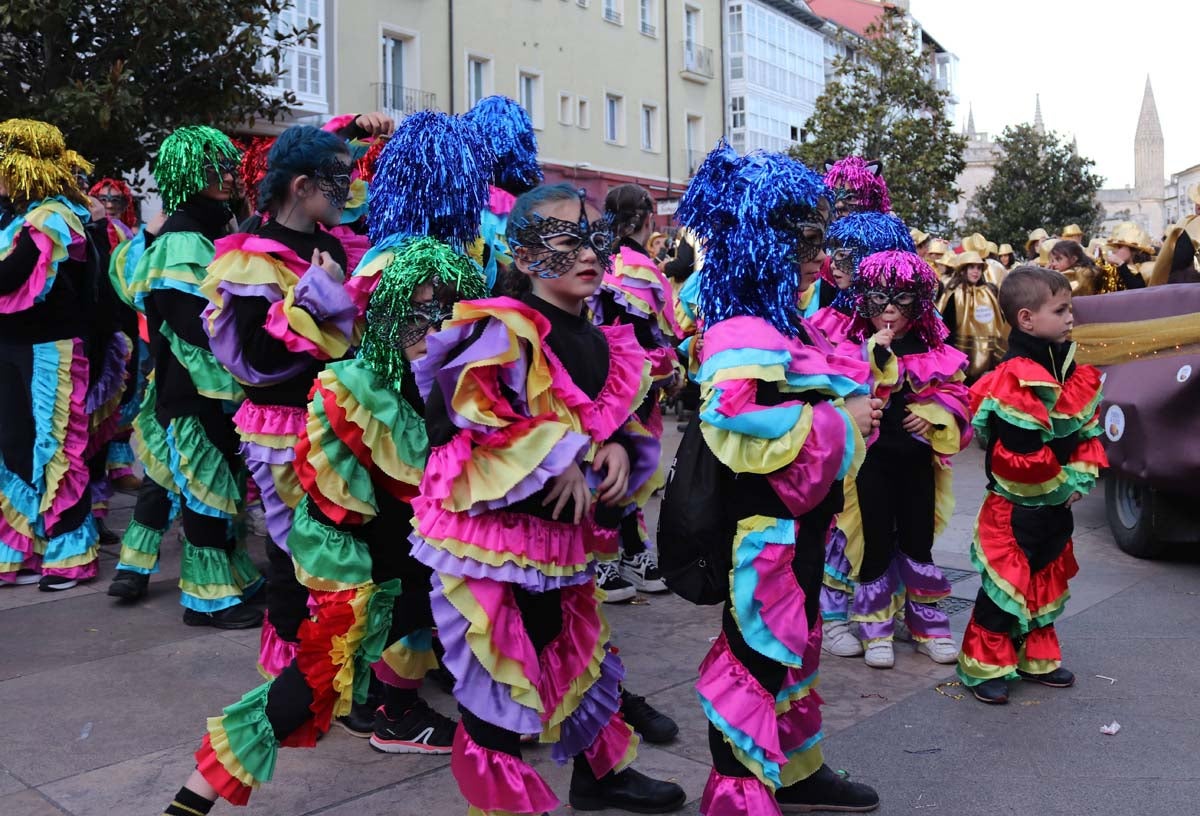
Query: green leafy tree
[117,76]
[1040,181]
[885,105]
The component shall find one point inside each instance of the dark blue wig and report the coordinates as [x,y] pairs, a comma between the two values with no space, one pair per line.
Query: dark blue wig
[298,151]
[508,130]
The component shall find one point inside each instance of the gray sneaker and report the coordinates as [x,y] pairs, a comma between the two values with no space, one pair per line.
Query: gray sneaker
[641,570]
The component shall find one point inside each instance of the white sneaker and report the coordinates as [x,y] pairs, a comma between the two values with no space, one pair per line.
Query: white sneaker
[838,640]
[641,570]
[881,655]
[940,650]
[615,587]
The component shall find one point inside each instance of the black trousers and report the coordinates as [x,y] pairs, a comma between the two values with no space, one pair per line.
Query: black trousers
[895,497]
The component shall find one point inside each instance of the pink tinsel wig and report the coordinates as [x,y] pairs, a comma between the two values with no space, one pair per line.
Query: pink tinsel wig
[894,271]
[856,177]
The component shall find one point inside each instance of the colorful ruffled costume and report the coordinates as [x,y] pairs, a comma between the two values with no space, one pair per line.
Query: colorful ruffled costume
[194,394]
[514,596]
[1039,415]
[48,276]
[772,412]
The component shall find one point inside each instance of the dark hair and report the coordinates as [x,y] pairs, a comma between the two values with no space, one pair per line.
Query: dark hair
[298,151]
[629,205]
[526,203]
[1073,252]
[1028,287]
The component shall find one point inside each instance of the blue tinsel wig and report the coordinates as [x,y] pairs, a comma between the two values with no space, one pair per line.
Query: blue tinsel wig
[508,131]
[431,179]
[868,232]
[748,210]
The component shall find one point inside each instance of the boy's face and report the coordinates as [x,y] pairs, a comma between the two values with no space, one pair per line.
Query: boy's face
[1052,320]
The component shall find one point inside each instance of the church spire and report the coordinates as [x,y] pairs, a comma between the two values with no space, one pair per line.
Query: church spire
[1148,160]
[971,121]
[1038,124]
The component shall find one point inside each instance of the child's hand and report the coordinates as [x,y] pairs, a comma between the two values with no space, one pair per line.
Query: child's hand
[1076,496]
[570,485]
[916,425]
[613,460]
[884,337]
[332,268]
[866,412]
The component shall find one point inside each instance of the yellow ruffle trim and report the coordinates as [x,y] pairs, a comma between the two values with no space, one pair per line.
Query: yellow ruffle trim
[752,454]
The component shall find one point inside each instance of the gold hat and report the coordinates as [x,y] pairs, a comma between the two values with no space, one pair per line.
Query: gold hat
[1129,234]
[1005,249]
[1072,230]
[968,257]
[975,243]
[1044,251]
[992,249]
[918,237]
[1038,234]
[938,247]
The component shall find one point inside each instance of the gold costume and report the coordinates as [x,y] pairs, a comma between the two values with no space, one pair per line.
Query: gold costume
[1083,280]
[977,327]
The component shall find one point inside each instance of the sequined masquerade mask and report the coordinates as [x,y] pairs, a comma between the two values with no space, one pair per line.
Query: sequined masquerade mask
[333,180]
[843,260]
[555,244]
[116,199]
[808,225]
[215,173]
[423,317]
[875,302]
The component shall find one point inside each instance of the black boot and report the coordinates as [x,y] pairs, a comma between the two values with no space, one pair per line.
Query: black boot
[626,790]
[654,726]
[129,586]
[360,722]
[994,692]
[238,616]
[827,790]
[1059,678]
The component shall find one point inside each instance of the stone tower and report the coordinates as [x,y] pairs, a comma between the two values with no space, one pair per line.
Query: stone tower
[1149,166]
[1038,124]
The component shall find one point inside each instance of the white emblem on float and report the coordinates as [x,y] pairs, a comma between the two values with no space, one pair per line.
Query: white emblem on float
[1114,423]
[1183,374]
[1103,377]
[984,314]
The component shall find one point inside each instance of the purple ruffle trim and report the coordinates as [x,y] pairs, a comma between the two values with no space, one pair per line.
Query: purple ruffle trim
[835,604]
[925,620]
[112,373]
[492,341]
[873,598]
[528,578]
[474,688]
[278,514]
[227,346]
[326,300]
[924,580]
[596,708]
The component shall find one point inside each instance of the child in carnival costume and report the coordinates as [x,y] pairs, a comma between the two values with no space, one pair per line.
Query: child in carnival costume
[528,406]
[195,396]
[360,457]
[904,488]
[970,308]
[1038,413]
[49,276]
[787,416]
[508,131]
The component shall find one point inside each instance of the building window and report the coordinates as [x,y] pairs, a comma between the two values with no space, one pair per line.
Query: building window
[647,15]
[529,88]
[692,35]
[649,128]
[584,111]
[737,113]
[566,109]
[694,142]
[302,65]
[612,11]
[614,118]
[479,79]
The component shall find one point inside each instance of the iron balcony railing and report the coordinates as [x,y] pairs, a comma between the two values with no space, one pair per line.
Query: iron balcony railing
[397,101]
[612,15]
[697,59]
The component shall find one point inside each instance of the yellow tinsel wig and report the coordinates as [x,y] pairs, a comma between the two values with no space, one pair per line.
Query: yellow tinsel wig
[36,164]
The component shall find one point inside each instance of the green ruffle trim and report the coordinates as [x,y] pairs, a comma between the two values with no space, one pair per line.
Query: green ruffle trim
[210,378]
[1052,499]
[205,469]
[211,574]
[151,441]
[327,553]
[345,464]
[140,545]
[250,735]
[177,260]
[990,406]
[393,411]
[375,638]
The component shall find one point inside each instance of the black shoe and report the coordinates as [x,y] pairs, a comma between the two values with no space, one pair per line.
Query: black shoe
[238,616]
[55,583]
[616,588]
[628,790]
[654,726]
[827,790]
[991,691]
[129,586]
[420,730]
[360,722]
[1059,678]
[107,537]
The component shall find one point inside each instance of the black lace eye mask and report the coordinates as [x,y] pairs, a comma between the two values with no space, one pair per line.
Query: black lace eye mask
[333,180]
[874,302]
[215,173]
[555,244]
[422,318]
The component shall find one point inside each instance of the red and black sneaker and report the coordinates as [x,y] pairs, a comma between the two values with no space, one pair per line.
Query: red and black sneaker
[419,730]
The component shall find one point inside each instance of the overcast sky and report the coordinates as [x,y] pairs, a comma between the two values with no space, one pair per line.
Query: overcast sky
[1089,62]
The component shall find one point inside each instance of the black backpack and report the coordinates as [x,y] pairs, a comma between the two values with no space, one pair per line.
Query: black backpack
[695,537]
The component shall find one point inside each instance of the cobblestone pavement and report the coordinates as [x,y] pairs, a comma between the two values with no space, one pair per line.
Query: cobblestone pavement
[103,705]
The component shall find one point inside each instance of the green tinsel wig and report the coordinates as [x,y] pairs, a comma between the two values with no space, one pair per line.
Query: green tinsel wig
[181,168]
[417,261]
